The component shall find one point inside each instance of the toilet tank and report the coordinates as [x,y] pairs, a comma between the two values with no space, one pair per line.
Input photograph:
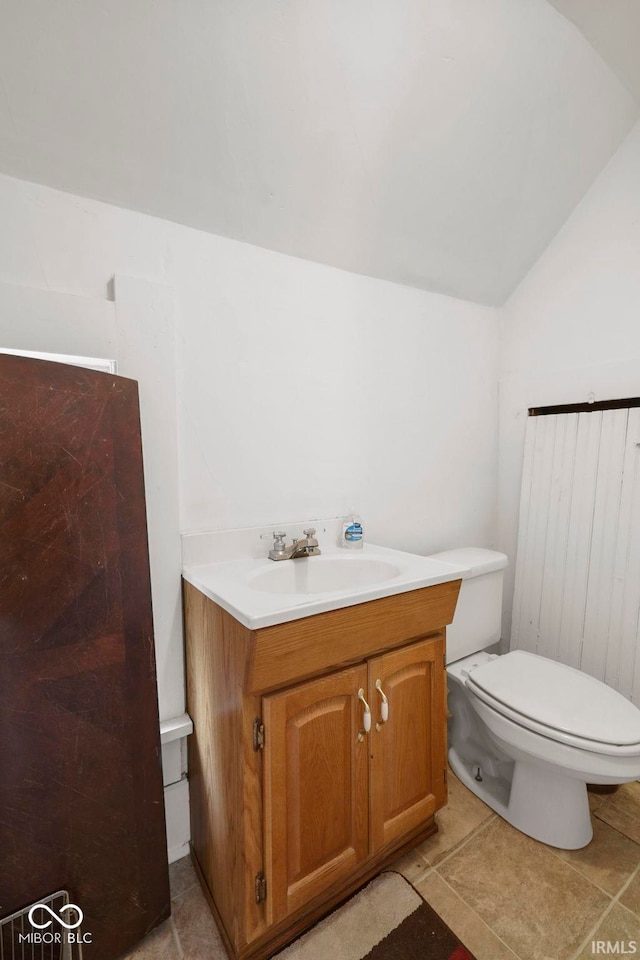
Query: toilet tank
[478,615]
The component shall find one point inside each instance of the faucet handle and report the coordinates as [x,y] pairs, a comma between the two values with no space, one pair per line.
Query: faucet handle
[311,532]
[278,546]
[278,549]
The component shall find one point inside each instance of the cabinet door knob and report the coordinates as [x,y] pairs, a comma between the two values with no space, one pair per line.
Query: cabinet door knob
[367,711]
[384,706]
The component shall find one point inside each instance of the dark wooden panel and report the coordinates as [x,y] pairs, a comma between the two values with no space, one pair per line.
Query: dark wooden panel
[586,407]
[81,802]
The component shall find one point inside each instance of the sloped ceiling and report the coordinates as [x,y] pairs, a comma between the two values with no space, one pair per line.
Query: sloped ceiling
[613,28]
[437,144]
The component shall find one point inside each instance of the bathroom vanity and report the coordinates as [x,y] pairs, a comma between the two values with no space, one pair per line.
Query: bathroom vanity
[294,802]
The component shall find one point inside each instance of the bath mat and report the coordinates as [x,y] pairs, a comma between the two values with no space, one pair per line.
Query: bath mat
[387,920]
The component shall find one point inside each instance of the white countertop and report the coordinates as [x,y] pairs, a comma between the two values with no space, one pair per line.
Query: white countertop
[229,583]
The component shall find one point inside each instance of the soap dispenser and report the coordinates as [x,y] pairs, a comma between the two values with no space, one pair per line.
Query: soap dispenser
[352,532]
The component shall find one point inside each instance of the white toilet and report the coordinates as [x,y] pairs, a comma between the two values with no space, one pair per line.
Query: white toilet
[526,734]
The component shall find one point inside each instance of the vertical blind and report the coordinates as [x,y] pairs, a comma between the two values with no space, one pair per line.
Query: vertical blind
[577,591]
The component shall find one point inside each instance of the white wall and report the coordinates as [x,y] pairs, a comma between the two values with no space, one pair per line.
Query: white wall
[302,390]
[306,390]
[571,332]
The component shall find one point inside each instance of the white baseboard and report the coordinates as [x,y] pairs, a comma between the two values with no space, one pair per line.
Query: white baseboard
[173,734]
[178,852]
[176,805]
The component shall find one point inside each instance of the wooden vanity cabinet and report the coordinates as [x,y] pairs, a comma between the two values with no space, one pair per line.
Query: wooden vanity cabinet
[293,804]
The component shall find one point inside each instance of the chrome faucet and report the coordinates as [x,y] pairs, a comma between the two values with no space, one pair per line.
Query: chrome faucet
[298,548]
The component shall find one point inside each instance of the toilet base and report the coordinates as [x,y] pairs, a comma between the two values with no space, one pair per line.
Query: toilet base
[541,803]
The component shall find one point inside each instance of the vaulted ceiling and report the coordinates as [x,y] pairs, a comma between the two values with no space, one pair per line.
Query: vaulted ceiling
[439,144]
[613,28]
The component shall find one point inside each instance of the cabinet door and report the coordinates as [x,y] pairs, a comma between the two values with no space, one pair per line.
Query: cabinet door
[315,788]
[408,750]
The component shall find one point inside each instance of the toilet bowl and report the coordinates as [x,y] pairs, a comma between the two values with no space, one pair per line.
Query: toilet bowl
[526,734]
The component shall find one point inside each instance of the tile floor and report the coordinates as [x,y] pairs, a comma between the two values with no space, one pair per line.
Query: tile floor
[506,896]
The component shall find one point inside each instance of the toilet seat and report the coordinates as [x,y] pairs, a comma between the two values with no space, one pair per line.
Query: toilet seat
[558,702]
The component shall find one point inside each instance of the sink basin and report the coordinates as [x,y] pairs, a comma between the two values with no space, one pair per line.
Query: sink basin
[323,574]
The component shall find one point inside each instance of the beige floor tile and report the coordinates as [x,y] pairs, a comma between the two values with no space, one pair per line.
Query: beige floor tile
[412,865]
[535,902]
[159,945]
[182,877]
[622,810]
[627,796]
[197,932]
[467,925]
[620,933]
[595,799]
[462,815]
[631,897]
[626,799]
[608,861]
